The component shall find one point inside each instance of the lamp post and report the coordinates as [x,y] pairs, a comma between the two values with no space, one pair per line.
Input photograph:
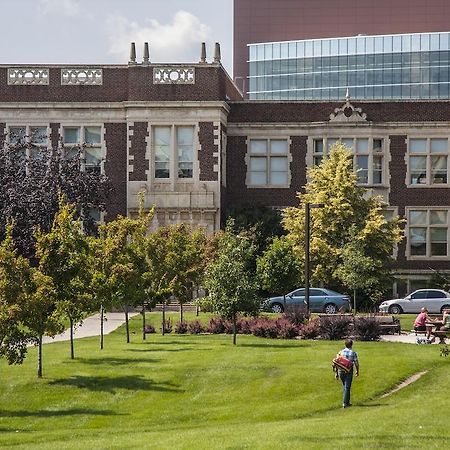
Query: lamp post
[308,207]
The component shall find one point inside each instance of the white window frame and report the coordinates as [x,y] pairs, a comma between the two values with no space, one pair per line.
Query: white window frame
[428,154]
[428,227]
[173,153]
[370,154]
[268,154]
[82,142]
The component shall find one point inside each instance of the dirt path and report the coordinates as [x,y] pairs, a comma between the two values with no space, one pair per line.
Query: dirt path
[405,383]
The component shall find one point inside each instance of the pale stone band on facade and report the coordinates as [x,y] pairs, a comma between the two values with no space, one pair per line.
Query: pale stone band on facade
[28,76]
[83,76]
[174,75]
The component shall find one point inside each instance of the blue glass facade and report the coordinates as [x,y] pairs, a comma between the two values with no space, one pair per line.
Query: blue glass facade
[407,66]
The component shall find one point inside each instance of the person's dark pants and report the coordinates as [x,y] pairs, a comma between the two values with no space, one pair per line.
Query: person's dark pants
[346,379]
[420,328]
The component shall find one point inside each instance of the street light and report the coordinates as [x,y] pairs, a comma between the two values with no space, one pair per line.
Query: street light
[308,207]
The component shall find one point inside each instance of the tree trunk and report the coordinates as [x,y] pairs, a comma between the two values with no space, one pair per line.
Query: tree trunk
[234,329]
[354,301]
[164,318]
[40,356]
[143,321]
[181,312]
[72,353]
[101,327]
[197,308]
[127,325]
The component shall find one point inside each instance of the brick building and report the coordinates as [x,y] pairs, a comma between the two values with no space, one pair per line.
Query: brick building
[183,135]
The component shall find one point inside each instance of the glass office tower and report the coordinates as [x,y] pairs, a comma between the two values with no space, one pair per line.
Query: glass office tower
[400,66]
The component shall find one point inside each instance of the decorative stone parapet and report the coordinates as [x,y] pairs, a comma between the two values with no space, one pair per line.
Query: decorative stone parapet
[28,76]
[84,76]
[174,75]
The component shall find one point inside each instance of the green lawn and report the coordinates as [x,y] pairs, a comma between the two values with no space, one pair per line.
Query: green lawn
[200,392]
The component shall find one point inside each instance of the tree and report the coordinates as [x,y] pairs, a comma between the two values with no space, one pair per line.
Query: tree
[349,228]
[63,255]
[31,179]
[27,305]
[260,223]
[231,283]
[278,269]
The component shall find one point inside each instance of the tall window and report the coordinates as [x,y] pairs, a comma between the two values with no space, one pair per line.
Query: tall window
[428,161]
[173,148]
[88,141]
[367,159]
[27,141]
[428,232]
[268,162]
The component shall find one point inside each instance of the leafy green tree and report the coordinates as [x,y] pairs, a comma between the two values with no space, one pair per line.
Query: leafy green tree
[231,283]
[27,305]
[349,228]
[14,275]
[63,255]
[278,269]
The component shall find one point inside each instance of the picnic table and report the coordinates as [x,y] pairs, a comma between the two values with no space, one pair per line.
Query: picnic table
[434,327]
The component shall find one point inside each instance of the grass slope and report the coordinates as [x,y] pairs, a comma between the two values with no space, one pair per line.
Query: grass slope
[200,392]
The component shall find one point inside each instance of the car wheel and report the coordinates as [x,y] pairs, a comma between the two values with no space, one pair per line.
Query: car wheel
[395,309]
[330,308]
[444,307]
[277,308]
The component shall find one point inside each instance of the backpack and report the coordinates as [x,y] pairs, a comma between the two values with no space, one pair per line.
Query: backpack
[342,363]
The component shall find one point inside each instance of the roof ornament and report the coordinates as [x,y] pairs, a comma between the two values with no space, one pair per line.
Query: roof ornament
[203,53]
[347,112]
[132,60]
[217,53]
[146,58]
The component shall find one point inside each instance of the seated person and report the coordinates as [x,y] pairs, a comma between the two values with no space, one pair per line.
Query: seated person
[419,323]
[445,320]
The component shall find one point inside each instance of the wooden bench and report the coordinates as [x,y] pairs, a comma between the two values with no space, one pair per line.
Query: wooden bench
[388,324]
[442,335]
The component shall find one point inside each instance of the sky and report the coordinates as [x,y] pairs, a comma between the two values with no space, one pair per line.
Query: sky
[100,31]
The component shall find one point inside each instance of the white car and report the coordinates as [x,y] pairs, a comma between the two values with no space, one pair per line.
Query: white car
[435,300]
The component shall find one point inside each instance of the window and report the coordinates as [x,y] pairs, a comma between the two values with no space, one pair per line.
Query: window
[27,142]
[428,161]
[428,232]
[165,157]
[86,141]
[367,160]
[268,162]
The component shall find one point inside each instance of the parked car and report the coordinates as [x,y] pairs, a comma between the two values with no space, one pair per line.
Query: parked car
[435,300]
[320,300]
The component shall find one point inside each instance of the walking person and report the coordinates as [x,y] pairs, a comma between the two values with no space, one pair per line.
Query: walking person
[346,375]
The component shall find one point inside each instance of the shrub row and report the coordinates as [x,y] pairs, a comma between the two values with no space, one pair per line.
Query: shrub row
[288,326]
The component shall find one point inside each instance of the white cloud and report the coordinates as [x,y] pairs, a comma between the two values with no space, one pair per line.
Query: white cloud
[69,8]
[173,42]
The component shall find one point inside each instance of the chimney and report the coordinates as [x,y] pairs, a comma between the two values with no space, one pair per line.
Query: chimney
[203,53]
[132,60]
[146,59]
[217,53]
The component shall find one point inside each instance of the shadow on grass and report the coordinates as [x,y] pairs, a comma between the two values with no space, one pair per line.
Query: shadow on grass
[111,384]
[115,361]
[161,349]
[266,345]
[60,412]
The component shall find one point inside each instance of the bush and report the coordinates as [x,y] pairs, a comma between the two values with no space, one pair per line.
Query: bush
[196,327]
[181,327]
[310,330]
[168,325]
[216,325]
[367,329]
[334,328]
[265,328]
[286,329]
[295,315]
[148,329]
[245,325]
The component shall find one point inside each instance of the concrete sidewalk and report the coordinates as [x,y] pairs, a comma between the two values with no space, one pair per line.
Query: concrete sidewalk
[91,327]
[407,338]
